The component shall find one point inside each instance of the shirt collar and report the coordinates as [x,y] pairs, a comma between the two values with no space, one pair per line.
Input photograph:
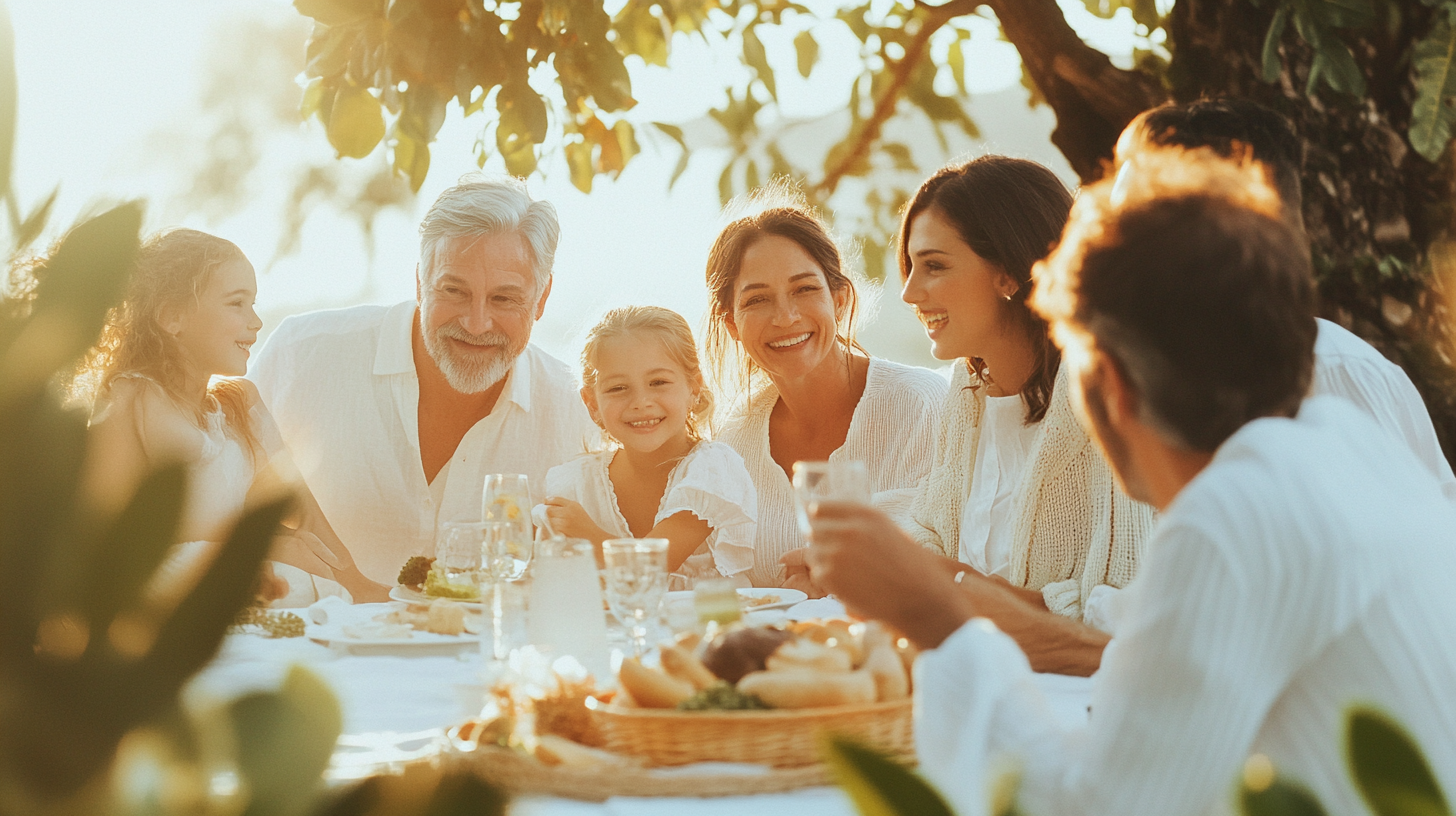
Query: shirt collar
[395,354]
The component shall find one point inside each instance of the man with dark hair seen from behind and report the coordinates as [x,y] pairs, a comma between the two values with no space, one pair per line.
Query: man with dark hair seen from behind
[1301,562]
[1344,365]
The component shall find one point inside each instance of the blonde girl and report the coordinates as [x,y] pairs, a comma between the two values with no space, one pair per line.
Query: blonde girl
[188,318]
[659,477]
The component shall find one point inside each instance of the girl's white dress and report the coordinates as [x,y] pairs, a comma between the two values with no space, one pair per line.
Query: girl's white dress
[711,482]
[217,490]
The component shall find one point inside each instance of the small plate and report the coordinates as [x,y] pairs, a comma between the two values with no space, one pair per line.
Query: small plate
[786,597]
[407,595]
[333,635]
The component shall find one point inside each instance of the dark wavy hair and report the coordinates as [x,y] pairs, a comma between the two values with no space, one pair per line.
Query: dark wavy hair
[1010,212]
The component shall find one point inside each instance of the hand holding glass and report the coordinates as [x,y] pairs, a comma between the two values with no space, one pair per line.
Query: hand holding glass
[636,583]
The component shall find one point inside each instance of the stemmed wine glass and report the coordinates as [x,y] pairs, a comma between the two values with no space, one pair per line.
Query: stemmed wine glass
[506,500]
[636,575]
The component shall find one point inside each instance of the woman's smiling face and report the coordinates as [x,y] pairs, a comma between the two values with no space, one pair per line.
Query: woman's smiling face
[956,293]
[784,314]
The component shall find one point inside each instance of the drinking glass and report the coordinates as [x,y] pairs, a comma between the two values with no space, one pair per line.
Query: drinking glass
[507,500]
[458,558]
[828,481]
[498,567]
[566,615]
[636,583]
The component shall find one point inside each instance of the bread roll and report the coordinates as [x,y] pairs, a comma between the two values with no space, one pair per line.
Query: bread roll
[883,663]
[806,654]
[680,663]
[652,689]
[806,688]
[555,750]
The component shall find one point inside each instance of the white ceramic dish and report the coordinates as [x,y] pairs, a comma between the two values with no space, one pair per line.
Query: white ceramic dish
[407,595]
[786,597]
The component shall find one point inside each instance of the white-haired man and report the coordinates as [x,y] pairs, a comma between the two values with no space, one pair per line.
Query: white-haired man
[396,414]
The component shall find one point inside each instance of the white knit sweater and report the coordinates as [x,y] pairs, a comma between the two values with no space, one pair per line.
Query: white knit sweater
[1075,528]
[892,431]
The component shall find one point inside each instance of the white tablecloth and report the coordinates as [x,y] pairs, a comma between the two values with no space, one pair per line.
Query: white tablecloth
[396,706]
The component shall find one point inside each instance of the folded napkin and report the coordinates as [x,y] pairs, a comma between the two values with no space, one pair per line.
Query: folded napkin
[320,611]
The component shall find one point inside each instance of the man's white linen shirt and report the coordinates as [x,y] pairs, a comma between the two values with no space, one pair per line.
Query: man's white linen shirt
[1349,368]
[343,387]
[1346,366]
[1307,567]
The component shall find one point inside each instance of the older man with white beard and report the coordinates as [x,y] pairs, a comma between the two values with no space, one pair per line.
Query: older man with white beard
[396,414]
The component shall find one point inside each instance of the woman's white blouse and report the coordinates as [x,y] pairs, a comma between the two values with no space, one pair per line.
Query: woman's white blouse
[892,432]
[1306,568]
[988,519]
[710,482]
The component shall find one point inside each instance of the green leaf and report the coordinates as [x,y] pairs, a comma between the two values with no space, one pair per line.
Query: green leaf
[877,784]
[674,132]
[643,33]
[725,184]
[806,48]
[1279,798]
[1392,775]
[327,51]
[1271,62]
[411,160]
[1341,72]
[756,58]
[579,162]
[422,114]
[522,126]
[956,59]
[313,95]
[1433,114]
[356,122]
[85,277]
[900,154]
[750,176]
[1343,13]
[134,547]
[339,12]
[34,224]
[626,140]
[190,637]
[284,743]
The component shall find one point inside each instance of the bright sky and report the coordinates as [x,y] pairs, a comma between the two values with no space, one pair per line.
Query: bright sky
[109,109]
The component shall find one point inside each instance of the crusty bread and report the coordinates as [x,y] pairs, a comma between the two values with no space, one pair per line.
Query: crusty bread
[807,688]
[650,688]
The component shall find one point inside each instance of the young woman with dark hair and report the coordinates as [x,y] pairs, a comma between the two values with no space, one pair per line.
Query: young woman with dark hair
[1017,490]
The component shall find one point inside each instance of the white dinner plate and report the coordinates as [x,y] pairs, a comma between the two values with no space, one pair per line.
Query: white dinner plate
[786,597]
[333,635]
[407,595]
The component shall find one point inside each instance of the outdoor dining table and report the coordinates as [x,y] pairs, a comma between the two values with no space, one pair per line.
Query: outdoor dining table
[397,705]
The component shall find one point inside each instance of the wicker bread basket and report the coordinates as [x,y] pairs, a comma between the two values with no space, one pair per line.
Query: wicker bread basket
[782,738]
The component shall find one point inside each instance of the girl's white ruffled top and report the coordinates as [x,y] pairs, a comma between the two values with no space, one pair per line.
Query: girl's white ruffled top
[711,482]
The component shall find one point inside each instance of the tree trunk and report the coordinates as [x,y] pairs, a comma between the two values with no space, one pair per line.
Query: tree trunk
[1372,206]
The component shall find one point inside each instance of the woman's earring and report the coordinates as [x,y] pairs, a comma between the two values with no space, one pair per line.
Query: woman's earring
[1006,297]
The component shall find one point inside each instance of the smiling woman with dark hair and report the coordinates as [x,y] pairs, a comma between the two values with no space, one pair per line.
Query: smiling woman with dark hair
[1017,490]
[781,303]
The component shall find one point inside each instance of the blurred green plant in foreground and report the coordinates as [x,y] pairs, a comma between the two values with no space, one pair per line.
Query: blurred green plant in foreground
[1385,765]
[90,667]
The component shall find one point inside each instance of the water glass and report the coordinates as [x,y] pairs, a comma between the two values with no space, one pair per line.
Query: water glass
[506,500]
[847,481]
[566,615]
[636,575]
[458,556]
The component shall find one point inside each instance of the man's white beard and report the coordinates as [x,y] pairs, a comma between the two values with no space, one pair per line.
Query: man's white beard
[471,373]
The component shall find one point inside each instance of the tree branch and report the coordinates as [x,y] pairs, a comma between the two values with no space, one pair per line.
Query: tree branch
[1093,99]
[901,69]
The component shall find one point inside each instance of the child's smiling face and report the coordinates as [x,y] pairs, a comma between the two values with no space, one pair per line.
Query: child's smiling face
[217,333]
[642,397]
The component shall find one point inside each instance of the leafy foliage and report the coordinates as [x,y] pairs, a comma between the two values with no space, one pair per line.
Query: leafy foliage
[1434,62]
[1392,775]
[879,785]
